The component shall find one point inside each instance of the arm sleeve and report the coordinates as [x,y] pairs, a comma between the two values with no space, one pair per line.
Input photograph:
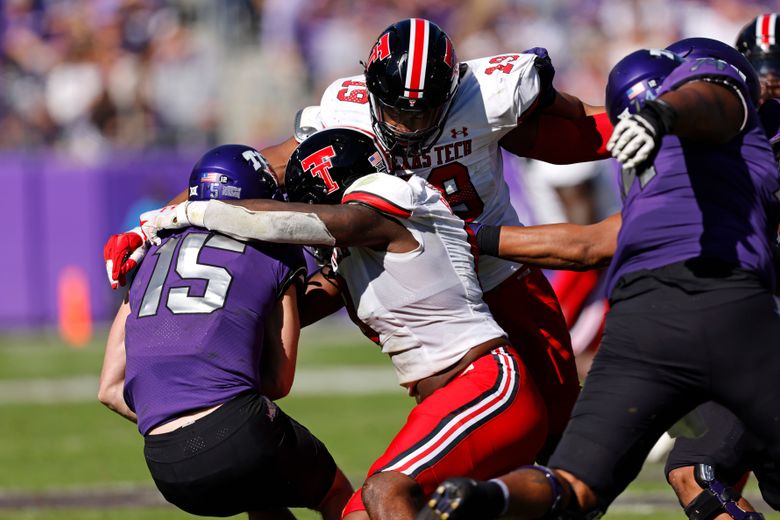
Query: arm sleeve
[271,226]
[567,141]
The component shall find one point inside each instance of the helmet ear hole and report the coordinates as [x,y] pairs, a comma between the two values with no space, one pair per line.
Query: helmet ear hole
[412,68]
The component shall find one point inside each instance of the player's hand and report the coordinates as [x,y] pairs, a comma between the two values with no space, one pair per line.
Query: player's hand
[637,137]
[169,217]
[462,499]
[544,68]
[123,253]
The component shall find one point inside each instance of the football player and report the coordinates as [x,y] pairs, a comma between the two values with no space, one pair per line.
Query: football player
[445,121]
[405,267]
[692,266]
[725,445]
[205,344]
[721,440]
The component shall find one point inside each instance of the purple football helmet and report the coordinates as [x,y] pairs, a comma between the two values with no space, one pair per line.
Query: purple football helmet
[636,78]
[709,48]
[232,171]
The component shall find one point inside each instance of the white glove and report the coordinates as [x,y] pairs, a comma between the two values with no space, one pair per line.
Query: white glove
[188,213]
[151,220]
[637,137]
[633,141]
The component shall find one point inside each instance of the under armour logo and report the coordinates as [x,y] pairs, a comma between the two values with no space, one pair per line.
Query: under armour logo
[194,191]
[456,133]
[319,165]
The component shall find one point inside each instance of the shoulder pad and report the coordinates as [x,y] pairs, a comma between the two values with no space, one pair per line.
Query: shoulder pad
[715,71]
[388,194]
[307,122]
[345,103]
[711,69]
[509,84]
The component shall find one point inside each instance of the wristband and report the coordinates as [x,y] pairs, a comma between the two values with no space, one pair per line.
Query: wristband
[661,114]
[488,238]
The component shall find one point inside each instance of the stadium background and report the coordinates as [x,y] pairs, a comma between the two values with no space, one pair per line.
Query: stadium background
[105,105]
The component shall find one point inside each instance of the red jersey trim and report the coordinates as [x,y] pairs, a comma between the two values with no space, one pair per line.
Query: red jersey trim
[377,202]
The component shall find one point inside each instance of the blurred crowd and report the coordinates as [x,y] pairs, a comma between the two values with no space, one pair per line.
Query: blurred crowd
[89,76]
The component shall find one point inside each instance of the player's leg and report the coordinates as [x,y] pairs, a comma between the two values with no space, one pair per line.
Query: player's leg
[526,307]
[339,493]
[486,421]
[646,375]
[745,363]
[305,463]
[247,455]
[724,445]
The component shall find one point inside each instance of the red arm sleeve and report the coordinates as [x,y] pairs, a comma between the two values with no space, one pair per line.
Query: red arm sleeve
[567,141]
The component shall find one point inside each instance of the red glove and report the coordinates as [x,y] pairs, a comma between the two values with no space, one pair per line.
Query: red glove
[123,253]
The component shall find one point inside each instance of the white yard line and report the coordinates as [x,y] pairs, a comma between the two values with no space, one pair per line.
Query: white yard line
[343,380]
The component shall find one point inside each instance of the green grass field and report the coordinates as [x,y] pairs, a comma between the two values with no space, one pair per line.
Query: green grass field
[60,445]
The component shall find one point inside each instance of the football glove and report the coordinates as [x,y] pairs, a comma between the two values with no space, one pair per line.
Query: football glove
[546,71]
[463,499]
[169,217]
[123,253]
[636,137]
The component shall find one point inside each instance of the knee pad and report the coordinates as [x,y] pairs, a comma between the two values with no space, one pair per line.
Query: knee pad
[716,498]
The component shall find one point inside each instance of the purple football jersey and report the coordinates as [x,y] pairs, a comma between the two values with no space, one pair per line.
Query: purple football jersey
[195,333]
[701,200]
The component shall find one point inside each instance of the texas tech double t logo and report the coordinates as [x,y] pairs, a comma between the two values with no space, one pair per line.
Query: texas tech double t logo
[319,165]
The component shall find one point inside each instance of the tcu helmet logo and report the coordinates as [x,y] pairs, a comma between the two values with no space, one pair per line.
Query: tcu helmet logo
[254,157]
[319,165]
[381,49]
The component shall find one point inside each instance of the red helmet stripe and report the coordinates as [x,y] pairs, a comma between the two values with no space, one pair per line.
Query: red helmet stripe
[418,57]
[765,30]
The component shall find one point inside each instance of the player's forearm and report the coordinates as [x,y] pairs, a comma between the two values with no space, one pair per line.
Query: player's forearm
[113,398]
[280,349]
[112,374]
[278,155]
[294,223]
[706,111]
[561,246]
[266,220]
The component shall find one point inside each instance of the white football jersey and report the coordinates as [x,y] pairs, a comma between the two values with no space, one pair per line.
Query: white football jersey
[423,307]
[465,162]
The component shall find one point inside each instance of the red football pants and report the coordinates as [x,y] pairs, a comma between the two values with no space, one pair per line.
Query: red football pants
[525,306]
[487,421]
